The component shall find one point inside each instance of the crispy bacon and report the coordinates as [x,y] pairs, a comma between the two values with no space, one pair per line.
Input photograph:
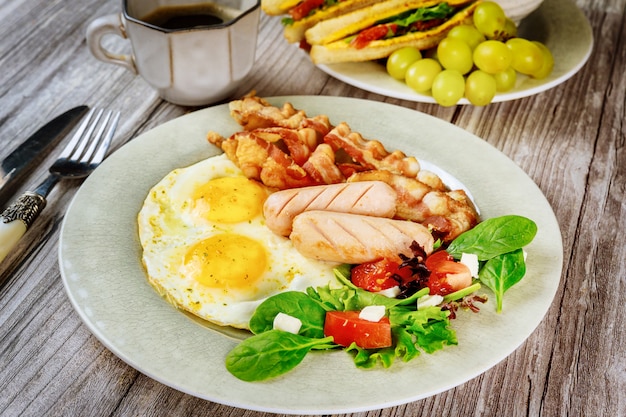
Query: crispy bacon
[281,172]
[253,112]
[262,160]
[284,148]
[321,166]
[371,154]
[451,213]
[447,213]
[424,25]
[299,143]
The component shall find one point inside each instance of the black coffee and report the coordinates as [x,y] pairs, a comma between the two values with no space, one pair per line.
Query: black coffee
[184,17]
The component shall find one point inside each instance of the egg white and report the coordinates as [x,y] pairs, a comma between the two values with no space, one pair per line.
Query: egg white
[171,222]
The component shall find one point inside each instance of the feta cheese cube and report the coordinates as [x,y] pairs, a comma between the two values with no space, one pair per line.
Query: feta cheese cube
[287,323]
[372,313]
[471,261]
[392,292]
[429,301]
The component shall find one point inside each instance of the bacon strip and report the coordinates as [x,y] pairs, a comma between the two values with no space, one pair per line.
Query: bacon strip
[284,148]
[371,154]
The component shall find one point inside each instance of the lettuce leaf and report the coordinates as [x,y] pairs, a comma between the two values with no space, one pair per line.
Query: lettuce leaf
[269,353]
[430,327]
[440,11]
[414,331]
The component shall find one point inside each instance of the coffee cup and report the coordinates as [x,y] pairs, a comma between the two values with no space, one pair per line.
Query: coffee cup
[192,53]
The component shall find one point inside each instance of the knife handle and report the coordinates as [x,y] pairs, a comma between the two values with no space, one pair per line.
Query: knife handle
[17,218]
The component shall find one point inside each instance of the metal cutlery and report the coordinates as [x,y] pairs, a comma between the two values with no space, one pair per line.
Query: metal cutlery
[81,156]
[15,165]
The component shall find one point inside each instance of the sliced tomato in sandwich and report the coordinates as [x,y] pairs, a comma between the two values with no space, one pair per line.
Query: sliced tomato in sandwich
[413,20]
[304,8]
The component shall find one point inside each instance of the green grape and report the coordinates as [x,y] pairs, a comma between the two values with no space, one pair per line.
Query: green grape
[421,74]
[480,88]
[467,33]
[548,62]
[505,80]
[510,29]
[489,19]
[492,56]
[448,87]
[455,54]
[527,57]
[400,60]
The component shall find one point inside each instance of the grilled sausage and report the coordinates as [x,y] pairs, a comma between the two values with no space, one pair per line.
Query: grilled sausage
[355,239]
[373,198]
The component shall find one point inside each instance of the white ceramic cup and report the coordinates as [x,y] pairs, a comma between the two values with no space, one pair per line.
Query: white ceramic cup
[190,67]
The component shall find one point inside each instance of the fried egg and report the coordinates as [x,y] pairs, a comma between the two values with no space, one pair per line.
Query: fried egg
[206,247]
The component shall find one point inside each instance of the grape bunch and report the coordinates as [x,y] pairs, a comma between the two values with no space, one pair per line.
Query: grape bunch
[474,61]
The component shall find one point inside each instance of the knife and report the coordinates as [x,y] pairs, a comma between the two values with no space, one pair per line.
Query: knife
[33,148]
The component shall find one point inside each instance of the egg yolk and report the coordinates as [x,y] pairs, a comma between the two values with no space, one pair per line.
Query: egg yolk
[230,199]
[227,261]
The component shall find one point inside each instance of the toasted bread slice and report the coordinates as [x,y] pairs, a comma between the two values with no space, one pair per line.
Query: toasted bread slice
[341,50]
[278,7]
[295,31]
[331,30]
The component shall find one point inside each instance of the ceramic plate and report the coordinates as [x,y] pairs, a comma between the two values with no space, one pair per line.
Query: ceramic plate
[559,24]
[102,273]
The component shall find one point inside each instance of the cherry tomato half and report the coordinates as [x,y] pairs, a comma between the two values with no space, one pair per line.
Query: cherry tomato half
[379,275]
[446,275]
[346,327]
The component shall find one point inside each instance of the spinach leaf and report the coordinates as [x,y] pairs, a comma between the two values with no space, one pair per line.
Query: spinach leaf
[494,237]
[502,272]
[294,303]
[270,354]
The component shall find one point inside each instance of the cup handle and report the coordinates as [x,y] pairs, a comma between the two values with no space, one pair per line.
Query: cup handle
[108,25]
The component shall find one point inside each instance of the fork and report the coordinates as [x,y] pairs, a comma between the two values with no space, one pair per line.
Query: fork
[85,151]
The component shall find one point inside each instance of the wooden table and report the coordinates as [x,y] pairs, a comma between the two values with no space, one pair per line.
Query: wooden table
[569,140]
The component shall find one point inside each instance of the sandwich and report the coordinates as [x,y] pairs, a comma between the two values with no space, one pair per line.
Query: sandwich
[376,31]
[300,15]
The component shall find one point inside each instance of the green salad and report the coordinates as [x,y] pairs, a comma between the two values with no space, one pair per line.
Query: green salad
[331,317]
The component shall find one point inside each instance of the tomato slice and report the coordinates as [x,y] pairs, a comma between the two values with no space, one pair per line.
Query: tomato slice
[374,33]
[346,328]
[303,9]
[379,275]
[446,275]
